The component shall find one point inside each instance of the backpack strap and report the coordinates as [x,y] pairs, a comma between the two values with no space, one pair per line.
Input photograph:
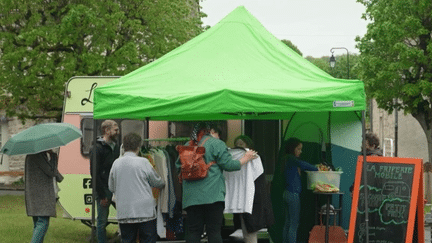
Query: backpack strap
[203,141]
[202,144]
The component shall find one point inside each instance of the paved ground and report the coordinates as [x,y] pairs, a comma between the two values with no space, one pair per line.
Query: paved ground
[11,192]
[11,189]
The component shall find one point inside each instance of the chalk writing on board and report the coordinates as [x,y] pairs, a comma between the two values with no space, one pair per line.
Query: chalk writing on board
[390,172]
[389,195]
[394,211]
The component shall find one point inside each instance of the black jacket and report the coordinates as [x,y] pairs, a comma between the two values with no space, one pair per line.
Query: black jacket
[105,157]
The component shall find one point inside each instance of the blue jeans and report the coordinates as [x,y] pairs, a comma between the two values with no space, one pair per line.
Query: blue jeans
[146,230]
[40,228]
[292,217]
[102,220]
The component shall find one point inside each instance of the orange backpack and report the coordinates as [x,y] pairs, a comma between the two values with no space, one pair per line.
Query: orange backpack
[193,165]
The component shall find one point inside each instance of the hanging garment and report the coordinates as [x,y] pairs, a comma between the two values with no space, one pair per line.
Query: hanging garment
[162,169]
[173,154]
[240,187]
[170,184]
[150,157]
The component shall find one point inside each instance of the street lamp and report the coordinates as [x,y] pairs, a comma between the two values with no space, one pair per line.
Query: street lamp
[332,60]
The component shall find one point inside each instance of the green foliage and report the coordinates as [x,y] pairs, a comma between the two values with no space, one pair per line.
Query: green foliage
[321,62]
[396,58]
[396,54]
[341,68]
[19,182]
[292,46]
[43,43]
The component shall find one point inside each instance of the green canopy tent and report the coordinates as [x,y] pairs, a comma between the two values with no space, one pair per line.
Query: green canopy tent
[234,70]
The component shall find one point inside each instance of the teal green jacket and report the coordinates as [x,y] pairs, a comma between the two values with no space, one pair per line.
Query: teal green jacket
[212,188]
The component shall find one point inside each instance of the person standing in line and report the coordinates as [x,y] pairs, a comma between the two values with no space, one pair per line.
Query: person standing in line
[372,146]
[292,172]
[131,180]
[204,199]
[40,196]
[107,150]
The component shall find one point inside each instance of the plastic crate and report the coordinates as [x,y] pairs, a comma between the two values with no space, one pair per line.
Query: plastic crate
[328,177]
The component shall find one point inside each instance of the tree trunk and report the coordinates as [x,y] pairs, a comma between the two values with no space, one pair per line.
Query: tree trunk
[427,128]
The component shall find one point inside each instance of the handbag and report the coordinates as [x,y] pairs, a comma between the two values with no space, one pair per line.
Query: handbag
[336,234]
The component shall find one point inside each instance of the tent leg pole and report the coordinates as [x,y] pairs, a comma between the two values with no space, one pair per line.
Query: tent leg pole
[365,187]
[93,237]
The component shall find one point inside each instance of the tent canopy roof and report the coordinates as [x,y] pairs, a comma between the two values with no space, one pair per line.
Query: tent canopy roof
[234,70]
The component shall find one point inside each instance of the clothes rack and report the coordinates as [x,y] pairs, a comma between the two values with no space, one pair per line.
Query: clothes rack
[162,142]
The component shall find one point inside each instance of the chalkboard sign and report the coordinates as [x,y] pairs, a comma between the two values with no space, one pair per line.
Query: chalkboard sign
[393,193]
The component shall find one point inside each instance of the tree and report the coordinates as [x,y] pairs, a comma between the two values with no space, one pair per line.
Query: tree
[43,43]
[341,68]
[292,46]
[396,58]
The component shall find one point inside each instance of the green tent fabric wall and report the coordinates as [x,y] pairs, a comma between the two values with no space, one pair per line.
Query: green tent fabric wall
[338,134]
[234,70]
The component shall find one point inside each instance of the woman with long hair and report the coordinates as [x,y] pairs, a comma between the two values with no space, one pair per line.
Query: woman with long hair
[292,172]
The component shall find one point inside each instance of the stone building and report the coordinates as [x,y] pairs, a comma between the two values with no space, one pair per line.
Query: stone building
[411,140]
[11,167]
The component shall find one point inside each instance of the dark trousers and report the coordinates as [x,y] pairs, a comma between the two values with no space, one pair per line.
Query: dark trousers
[146,230]
[210,215]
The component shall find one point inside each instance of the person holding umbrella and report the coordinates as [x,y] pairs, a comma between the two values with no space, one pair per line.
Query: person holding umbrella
[41,174]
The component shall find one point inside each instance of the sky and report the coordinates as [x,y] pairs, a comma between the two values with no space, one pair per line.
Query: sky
[314,26]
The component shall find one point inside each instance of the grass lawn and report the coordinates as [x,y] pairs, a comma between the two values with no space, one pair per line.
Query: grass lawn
[17,227]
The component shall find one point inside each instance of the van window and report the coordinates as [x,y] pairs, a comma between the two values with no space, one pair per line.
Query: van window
[87,137]
[126,126]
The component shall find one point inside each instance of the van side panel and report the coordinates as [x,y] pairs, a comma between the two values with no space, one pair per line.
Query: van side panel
[70,159]
[76,188]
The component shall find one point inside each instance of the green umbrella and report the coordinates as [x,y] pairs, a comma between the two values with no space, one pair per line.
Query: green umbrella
[40,138]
